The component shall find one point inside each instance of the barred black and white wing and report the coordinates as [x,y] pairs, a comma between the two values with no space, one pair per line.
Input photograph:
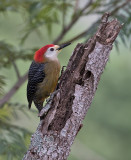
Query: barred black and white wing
[35,76]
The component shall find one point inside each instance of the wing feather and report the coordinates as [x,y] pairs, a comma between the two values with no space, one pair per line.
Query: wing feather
[35,76]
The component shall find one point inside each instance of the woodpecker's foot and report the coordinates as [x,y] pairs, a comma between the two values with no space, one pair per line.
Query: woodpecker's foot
[47,107]
[44,110]
[48,99]
[52,95]
[62,71]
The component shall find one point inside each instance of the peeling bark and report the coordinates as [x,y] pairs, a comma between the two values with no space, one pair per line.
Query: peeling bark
[57,131]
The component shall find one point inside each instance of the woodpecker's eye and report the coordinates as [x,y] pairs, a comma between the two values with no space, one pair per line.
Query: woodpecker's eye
[51,49]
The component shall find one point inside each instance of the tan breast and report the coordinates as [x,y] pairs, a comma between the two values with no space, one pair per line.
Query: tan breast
[52,71]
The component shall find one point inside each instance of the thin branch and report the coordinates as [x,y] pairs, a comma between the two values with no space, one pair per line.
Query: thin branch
[13,90]
[76,6]
[73,21]
[16,69]
[119,7]
[77,16]
[88,30]
[77,37]
[63,15]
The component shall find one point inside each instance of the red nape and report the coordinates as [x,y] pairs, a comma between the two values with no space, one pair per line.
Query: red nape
[38,57]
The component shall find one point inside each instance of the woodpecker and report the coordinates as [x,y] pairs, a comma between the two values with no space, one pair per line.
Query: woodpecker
[43,74]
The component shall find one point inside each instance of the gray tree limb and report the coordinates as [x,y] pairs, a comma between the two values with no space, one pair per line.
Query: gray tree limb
[57,131]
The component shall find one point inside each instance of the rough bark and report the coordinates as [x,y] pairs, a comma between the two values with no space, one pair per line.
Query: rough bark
[57,131]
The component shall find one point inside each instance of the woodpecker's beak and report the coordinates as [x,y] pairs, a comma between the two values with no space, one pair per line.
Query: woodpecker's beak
[63,46]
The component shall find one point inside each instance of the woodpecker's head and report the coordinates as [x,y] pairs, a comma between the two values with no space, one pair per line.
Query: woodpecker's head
[48,52]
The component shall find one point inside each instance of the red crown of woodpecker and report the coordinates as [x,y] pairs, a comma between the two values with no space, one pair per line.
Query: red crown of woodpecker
[38,57]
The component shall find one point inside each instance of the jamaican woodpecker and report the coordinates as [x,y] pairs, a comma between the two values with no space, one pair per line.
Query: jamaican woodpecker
[43,74]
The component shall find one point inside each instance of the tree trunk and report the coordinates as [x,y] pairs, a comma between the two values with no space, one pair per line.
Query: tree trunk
[57,131]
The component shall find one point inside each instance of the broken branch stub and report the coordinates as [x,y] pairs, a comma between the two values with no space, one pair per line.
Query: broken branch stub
[57,131]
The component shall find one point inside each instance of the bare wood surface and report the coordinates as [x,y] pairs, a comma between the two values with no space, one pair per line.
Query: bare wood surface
[57,131]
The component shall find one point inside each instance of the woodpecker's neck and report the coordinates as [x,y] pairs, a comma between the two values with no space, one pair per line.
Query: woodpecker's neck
[52,68]
[51,59]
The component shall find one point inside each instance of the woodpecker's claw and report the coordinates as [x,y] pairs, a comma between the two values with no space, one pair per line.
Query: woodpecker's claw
[62,71]
[44,110]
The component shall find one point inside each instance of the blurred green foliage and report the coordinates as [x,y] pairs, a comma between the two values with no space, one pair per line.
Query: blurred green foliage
[2,83]
[26,25]
[13,139]
[10,53]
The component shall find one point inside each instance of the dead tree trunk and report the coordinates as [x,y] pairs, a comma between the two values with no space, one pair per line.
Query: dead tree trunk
[57,131]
